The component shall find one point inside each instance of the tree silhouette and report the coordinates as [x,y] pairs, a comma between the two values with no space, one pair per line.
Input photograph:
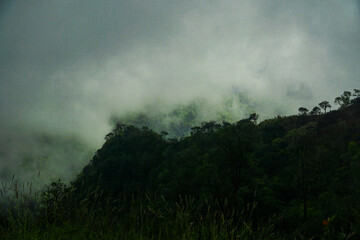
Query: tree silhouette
[324,105]
[254,117]
[344,99]
[303,111]
[356,93]
[315,111]
[209,127]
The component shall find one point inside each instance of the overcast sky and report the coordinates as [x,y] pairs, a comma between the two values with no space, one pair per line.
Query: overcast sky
[68,66]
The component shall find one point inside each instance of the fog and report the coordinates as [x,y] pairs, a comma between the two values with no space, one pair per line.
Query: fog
[68,67]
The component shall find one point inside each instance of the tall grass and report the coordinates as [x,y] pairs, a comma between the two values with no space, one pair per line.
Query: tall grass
[129,217]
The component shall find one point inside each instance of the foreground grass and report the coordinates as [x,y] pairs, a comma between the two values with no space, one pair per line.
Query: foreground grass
[140,222]
[130,218]
[70,231]
[179,222]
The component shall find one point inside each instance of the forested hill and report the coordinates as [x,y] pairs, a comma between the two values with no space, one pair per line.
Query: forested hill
[303,168]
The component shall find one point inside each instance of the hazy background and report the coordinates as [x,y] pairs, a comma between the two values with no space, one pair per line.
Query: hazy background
[67,68]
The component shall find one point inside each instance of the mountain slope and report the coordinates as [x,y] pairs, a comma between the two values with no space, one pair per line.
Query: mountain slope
[302,168]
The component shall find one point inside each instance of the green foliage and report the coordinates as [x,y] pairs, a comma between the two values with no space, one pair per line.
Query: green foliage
[52,201]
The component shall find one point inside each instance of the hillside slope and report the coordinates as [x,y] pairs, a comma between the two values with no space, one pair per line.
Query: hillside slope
[301,168]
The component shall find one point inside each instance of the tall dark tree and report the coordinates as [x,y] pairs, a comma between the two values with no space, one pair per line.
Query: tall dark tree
[325,105]
[344,99]
[315,111]
[303,111]
[300,144]
[254,117]
[356,93]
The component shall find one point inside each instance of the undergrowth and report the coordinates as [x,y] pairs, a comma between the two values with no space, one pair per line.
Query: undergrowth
[51,215]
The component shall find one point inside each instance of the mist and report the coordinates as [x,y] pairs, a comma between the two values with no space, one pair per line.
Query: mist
[68,68]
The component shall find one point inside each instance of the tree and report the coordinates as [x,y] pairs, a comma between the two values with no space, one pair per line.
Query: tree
[356,93]
[254,117]
[315,111]
[343,100]
[209,127]
[324,105]
[303,111]
[338,101]
[195,130]
[300,144]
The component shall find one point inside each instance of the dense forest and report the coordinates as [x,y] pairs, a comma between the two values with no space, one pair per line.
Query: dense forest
[290,177]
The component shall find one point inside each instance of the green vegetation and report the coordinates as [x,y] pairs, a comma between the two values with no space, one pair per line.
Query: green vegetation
[293,177]
[177,120]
